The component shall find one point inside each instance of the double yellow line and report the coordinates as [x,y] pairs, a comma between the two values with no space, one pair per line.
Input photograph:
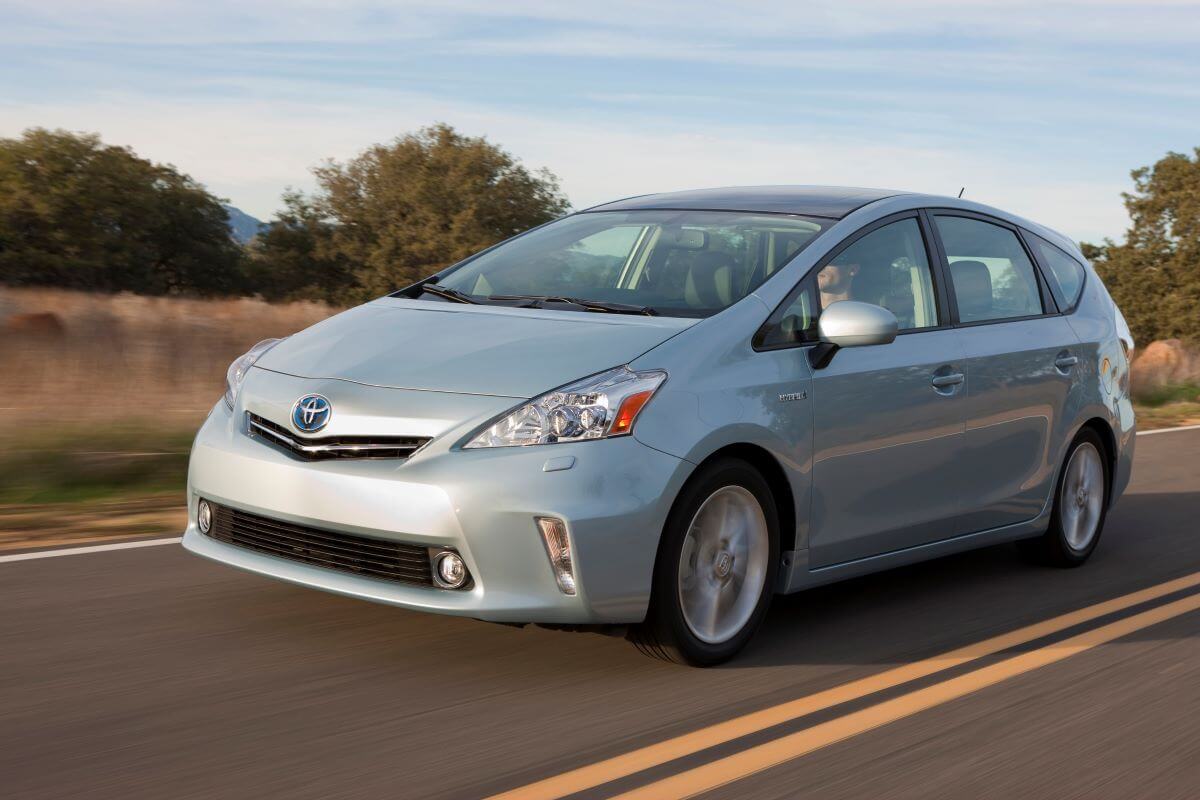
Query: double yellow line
[755,759]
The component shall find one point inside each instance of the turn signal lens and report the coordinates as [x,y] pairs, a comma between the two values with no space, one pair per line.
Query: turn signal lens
[628,412]
[558,548]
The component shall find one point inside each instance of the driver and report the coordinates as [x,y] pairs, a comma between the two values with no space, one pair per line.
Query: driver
[835,282]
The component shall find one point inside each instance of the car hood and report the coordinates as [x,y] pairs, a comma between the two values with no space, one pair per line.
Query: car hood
[444,347]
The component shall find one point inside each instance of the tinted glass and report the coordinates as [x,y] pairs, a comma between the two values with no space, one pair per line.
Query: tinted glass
[887,267]
[796,320]
[1065,271]
[992,276]
[680,263]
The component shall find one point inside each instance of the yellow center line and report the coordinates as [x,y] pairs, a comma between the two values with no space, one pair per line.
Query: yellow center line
[611,769]
[756,759]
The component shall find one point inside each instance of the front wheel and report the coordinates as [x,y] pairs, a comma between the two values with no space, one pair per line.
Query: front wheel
[1080,506]
[716,569]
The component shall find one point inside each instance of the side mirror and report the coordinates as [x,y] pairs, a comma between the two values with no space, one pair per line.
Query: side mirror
[849,323]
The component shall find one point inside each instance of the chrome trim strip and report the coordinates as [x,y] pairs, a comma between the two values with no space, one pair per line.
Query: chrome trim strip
[293,444]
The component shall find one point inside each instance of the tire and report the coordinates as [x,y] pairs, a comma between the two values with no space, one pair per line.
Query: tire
[1080,506]
[713,583]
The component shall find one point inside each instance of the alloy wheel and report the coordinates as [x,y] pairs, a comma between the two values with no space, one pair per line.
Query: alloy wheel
[723,564]
[1081,503]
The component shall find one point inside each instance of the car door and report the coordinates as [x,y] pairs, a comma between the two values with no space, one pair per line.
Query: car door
[1022,357]
[887,419]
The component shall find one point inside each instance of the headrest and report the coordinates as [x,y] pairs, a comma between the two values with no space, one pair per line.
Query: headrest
[972,289]
[710,280]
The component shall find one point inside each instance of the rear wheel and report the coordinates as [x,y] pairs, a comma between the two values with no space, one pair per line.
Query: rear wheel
[716,568]
[1080,506]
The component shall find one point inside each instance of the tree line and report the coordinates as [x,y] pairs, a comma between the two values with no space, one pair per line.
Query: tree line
[77,213]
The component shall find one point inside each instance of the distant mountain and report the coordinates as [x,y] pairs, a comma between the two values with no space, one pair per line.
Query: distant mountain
[242,226]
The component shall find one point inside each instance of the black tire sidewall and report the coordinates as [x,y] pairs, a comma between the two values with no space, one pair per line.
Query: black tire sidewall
[666,613]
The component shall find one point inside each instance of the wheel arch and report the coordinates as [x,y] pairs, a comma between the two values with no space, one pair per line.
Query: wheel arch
[772,471]
[1108,438]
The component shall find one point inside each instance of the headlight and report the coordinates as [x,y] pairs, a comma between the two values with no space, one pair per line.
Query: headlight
[598,407]
[241,365]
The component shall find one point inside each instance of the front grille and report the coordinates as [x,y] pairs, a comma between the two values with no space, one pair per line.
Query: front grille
[329,447]
[361,555]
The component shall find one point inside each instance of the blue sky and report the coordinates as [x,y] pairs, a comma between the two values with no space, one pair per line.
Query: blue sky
[1041,108]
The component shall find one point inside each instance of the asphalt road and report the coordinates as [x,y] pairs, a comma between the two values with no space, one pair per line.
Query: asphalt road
[152,673]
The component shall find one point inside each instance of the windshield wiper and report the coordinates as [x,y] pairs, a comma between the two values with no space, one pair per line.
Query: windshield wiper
[540,300]
[447,294]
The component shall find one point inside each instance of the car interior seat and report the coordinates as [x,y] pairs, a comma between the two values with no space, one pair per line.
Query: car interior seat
[972,289]
[712,280]
[876,283]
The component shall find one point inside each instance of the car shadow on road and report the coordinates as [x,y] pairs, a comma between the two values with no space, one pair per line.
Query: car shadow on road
[924,609]
[877,620]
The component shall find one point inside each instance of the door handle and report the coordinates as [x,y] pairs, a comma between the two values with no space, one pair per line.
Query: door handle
[1065,362]
[953,379]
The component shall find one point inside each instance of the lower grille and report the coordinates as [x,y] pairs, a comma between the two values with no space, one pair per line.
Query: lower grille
[361,555]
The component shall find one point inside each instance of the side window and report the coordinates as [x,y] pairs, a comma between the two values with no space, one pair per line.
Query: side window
[992,276]
[795,321]
[1065,271]
[887,267]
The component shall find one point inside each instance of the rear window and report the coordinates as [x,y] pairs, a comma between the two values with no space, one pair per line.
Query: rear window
[991,275]
[1066,274]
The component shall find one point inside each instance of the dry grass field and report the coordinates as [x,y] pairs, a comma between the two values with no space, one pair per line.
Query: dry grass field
[102,393]
[125,356]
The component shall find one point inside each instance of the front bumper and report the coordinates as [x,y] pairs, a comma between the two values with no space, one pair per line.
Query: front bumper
[482,503]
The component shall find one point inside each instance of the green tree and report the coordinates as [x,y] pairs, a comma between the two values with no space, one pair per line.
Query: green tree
[400,211]
[1155,274]
[80,214]
[295,258]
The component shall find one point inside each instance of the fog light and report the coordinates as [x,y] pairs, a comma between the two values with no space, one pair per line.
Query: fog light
[449,569]
[204,516]
[558,548]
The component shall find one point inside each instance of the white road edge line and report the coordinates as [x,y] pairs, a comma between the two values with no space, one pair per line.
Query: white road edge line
[74,551]
[1170,430]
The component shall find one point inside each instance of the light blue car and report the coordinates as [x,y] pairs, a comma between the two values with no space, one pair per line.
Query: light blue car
[660,412]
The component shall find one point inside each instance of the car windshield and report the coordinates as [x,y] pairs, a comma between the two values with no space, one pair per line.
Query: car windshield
[673,263]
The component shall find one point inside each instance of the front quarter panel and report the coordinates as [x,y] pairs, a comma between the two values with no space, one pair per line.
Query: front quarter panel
[721,392]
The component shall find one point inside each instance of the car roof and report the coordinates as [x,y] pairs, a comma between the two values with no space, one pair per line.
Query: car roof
[817,201]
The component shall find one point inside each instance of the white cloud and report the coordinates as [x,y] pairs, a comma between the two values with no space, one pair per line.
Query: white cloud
[663,21]
[1037,107]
